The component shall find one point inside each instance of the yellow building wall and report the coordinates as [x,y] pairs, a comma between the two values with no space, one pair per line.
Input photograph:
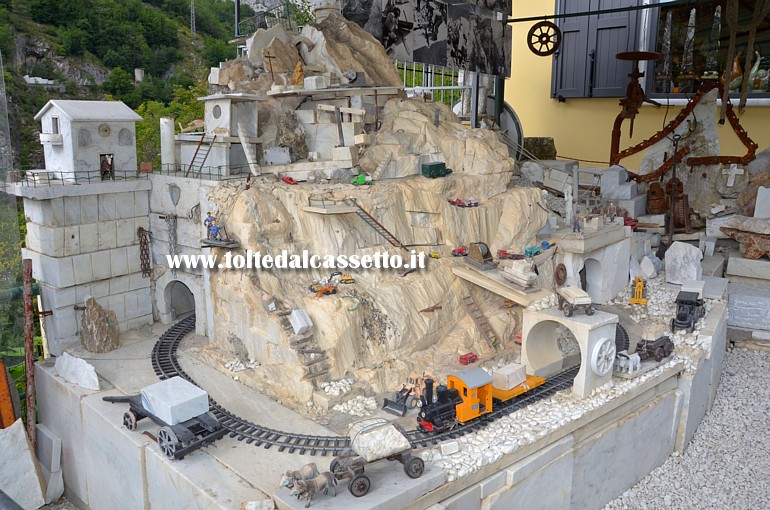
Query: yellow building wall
[581,128]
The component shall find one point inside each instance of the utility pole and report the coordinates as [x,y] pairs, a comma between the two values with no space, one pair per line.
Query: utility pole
[192,16]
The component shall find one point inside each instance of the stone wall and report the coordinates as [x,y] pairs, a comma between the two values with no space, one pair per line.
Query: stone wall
[82,241]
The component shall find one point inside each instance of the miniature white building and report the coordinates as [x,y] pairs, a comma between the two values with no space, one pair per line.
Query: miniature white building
[88,140]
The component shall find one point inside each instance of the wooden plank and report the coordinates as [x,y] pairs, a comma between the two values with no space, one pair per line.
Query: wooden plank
[498,286]
[7,416]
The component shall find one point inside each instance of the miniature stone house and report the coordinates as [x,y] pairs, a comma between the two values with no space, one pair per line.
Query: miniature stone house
[230,124]
[82,230]
[88,140]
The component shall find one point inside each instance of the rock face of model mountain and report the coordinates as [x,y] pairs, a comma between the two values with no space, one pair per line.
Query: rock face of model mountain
[382,326]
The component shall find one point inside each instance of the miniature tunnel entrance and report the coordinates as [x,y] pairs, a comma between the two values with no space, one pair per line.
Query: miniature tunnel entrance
[552,348]
[179,299]
[593,275]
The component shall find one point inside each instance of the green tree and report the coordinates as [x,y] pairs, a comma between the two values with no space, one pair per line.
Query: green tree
[72,41]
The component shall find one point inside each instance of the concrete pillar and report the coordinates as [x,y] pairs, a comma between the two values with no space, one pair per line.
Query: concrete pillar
[167,144]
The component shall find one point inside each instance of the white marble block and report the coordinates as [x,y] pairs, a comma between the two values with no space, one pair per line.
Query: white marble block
[300,321]
[509,376]
[683,263]
[374,439]
[20,478]
[648,268]
[762,209]
[749,306]
[77,371]
[175,400]
[316,82]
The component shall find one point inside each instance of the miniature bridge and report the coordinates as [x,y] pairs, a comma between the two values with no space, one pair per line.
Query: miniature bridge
[166,365]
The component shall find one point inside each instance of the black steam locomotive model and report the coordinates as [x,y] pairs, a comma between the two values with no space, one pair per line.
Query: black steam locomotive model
[440,415]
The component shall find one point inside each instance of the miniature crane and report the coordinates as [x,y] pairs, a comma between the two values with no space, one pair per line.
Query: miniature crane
[640,292]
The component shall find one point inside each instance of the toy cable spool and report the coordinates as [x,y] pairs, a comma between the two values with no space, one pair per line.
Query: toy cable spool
[544,38]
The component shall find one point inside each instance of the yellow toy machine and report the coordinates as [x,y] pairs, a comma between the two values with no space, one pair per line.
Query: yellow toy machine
[435,254]
[639,291]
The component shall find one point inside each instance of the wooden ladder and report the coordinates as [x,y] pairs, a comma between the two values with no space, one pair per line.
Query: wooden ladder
[481,323]
[201,153]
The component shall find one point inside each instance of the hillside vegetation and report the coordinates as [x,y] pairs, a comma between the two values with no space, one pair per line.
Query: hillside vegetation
[91,48]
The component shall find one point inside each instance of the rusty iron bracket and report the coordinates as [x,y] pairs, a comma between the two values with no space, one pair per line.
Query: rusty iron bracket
[44,313]
[79,308]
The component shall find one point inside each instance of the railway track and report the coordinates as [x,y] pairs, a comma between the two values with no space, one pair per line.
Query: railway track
[166,365]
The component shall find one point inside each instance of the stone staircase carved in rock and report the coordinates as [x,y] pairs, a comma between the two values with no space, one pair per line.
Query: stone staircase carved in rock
[314,359]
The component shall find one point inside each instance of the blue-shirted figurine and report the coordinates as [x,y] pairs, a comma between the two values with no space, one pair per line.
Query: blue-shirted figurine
[214,230]
[576,223]
[207,223]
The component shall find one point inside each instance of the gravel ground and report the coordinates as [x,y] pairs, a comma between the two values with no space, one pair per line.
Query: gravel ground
[728,460]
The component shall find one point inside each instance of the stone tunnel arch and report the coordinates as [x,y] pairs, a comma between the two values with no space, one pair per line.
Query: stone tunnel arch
[594,334]
[593,275]
[180,294]
[179,300]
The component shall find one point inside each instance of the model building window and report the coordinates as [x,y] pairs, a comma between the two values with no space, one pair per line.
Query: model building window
[693,41]
[55,125]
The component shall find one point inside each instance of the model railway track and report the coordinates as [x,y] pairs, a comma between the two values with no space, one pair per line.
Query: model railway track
[166,365]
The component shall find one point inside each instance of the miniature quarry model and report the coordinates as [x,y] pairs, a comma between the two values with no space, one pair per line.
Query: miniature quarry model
[658,349]
[182,411]
[372,440]
[638,291]
[469,394]
[689,308]
[520,273]
[573,297]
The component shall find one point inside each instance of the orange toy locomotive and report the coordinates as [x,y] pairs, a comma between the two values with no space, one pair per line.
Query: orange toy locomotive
[467,395]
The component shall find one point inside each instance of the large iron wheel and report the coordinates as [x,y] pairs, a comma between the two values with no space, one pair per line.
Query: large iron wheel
[544,38]
[168,442]
[603,357]
[560,274]
[414,467]
[568,310]
[334,466]
[129,420]
[359,485]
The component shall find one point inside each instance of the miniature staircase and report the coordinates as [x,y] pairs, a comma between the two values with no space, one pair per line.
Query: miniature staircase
[377,226]
[481,323]
[313,358]
[248,150]
[201,153]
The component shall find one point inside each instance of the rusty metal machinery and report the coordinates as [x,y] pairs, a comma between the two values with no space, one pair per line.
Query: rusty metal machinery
[681,208]
[662,169]
[751,146]
[656,199]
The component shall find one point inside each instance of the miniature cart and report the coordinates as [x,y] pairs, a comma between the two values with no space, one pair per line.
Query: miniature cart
[573,297]
[175,441]
[350,464]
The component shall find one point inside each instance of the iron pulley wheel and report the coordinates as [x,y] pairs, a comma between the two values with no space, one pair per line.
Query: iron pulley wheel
[544,38]
[560,274]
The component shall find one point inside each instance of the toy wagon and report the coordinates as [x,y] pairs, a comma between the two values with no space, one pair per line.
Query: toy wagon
[573,297]
[372,440]
[185,422]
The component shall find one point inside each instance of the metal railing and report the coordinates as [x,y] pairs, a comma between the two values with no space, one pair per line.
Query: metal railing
[206,173]
[278,15]
[42,178]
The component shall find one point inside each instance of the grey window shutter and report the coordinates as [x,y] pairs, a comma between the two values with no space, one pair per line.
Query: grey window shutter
[570,63]
[610,34]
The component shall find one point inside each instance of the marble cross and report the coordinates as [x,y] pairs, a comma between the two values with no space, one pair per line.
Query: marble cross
[731,173]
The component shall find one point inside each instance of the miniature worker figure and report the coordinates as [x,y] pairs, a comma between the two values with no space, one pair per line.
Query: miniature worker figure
[214,230]
[576,223]
[613,210]
[207,223]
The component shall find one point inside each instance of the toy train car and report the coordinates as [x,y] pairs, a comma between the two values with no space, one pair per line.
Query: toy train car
[467,394]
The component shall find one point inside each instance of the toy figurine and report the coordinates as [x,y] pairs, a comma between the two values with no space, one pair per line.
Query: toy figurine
[613,212]
[214,230]
[576,223]
[207,223]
